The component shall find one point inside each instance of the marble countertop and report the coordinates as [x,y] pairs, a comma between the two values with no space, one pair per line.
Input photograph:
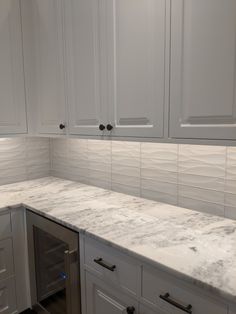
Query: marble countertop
[195,247]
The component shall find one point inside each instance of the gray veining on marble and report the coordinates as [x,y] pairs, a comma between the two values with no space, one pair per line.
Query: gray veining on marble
[194,246]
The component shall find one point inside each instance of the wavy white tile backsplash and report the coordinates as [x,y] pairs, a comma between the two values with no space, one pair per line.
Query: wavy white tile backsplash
[198,177]
[193,176]
[23,159]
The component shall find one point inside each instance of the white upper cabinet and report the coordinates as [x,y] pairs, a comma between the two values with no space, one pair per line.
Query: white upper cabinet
[43,40]
[136,66]
[115,52]
[203,63]
[83,67]
[12,89]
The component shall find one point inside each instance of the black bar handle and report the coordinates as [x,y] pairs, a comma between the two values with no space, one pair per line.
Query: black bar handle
[186,309]
[100,262]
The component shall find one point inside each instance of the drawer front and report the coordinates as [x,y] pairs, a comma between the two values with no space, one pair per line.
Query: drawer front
[169,295]
[7,296]
[6,259]
[5,225]
[111,265]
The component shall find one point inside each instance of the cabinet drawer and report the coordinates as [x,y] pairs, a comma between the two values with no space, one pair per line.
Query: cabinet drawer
[111,265]
[5,225]
[6,259]
[169,295]
[7,296]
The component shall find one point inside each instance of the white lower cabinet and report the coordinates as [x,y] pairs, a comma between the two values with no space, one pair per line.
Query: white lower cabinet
[13,266]
[103,299]
[8,296]
[152,292]
[146,310]
[173,296]
[6,260]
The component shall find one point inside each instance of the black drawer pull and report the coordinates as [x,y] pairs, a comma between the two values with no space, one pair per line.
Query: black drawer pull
[187,309]
[100,262]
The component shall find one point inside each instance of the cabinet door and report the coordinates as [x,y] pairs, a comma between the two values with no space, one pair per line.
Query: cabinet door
[43,40]
[6,259]
[136,66]
[147,310]
[102,299]
[7,296]
[12,89]
[86,104]
[203,55]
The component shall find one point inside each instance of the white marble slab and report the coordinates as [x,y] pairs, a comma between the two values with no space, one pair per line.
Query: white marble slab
[194,246]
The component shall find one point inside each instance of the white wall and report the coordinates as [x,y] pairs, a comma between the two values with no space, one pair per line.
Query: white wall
[198,177]
[23,159]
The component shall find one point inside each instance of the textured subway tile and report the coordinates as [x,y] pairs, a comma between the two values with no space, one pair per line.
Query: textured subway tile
[59,148]
[161,157]
[202,160]
[185,175]
[126,153]
[159,151]
[200,205]
[131,149]
[78,149]
[201,194]
[159,196]
[99,175]
[158,186]
[23,158]
[230,199]
[100,183]
[99,166]
[230,186]
[159,175]
[126,180]
[203,182]
[121,188]
[230,212]
[79,172]
[159,164]
[125,170]
[126,160]
[231,163]
[78,162]
[99,151]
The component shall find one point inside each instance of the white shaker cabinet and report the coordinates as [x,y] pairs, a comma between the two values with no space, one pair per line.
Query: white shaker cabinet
[147,310]
[102,299]
[43,48]
[203,63]
[86,104]
[115,61]
[12,89]
[136,66]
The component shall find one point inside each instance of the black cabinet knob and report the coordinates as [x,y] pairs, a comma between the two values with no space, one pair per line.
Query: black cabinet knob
[62,126]
[102,127]
[109,127]
[130,310]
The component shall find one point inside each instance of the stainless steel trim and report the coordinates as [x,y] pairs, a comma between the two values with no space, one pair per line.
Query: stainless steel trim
[71,258]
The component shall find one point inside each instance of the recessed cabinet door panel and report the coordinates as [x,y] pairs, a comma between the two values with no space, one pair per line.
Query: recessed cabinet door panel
[82,64]
[12,89]
[146,310]
[42,25]
[6,259]
[103,299]
[203,63]
[136,66]
[7,296]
